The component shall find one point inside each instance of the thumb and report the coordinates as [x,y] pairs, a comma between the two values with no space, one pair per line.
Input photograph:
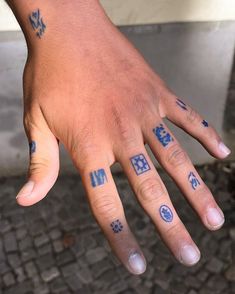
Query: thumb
[44,162]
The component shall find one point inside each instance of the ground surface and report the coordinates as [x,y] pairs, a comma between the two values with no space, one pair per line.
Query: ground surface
[56,246]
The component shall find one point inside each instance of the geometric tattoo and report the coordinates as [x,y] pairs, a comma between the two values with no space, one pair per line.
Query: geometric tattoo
[162,135]
[116,226]
[32,147]
[140,164]
[181,104]
[166,213]
[205,123]
[193,180]
[98,177]
[37,23]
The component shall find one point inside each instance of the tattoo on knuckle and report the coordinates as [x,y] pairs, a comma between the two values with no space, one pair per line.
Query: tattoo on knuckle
[193,180]
[32,147]
[150,190]
[116,226]
[181,104]
[140,164]
[37,23]
[162,135]
[176,156]
[205,123]
[166,213]
[98,177]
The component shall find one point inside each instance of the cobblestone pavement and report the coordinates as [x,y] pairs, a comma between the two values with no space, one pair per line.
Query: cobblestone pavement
[56,246]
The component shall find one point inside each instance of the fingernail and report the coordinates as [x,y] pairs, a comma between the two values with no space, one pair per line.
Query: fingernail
[189,255]
[224,149]
[215,217]
[137,263]
[26,189]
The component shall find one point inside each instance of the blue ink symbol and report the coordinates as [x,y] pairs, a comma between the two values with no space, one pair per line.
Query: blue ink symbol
[116,226]
[166,213]
[205,123]
[181,104]
[140,164]
[98,177]
[193,180]
[162,135]
[37,22]
[32,147]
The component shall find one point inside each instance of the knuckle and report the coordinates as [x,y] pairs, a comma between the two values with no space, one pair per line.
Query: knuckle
[150,190]
[105,206]
[175,230]
[176,156]
[38,164]
[192,116]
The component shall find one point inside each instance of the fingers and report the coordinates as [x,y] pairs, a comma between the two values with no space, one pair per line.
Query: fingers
[108,211]
[155,200]
[44,160]
[188,119]
[178,165]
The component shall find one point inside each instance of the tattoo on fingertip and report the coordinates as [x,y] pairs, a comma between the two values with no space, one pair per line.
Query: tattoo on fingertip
[98,177]
[116,226]
[37,23]
[181,104]
[140,164]
[205,123]
[193,180]
[32,147]
[166,213]
[162,135]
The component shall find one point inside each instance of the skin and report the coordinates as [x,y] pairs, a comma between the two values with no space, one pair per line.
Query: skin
[87,87]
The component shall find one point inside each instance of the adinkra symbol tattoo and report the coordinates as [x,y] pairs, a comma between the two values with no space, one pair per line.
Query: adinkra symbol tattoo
[32,147]
[205,123]
[181,104]
[163,136]
[166,213]
[193,180]
[116,226]
[140,164]
[98,177]
[37,23]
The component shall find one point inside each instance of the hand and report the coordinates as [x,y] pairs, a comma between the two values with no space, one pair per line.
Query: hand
[93,92]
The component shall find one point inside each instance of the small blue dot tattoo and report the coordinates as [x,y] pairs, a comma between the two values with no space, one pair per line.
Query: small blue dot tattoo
[37,23]
[32,147]
[193,180]
[181,104]
[163,136]
[205,123]
[116,226]
[166,213]
[140,164]
[98,177]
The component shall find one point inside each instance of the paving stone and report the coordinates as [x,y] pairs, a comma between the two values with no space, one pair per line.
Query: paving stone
[14,260]
[202,275]
[232,233]
[21,233]
[8,279]
[192,282]
[37,228]
[73,282]
[25,243]
[70,269]
[217,282]
[21,288]
[46,261]
[45,249]
[95,255]
[64,257]
[20,274]
[55,234]
[41,240]
[5,226]
[28,254]
[58,285]
[100,267]
[42,289]
[85,275]
[4,268]
[215,265]
[230,273]
[50,274]
[58,246]
[30,269]
[10,243]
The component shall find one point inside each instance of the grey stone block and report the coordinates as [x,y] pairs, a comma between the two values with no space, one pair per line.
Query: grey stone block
[10,243]
[8,279]
[50,274]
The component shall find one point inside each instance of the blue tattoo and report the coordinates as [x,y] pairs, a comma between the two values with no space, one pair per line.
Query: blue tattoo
[166,213]
[205,123]
[32,147]
[140,164]
[193,180]
[37,23]
[162,135]
[98,177]
[181,104]
[116,226]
